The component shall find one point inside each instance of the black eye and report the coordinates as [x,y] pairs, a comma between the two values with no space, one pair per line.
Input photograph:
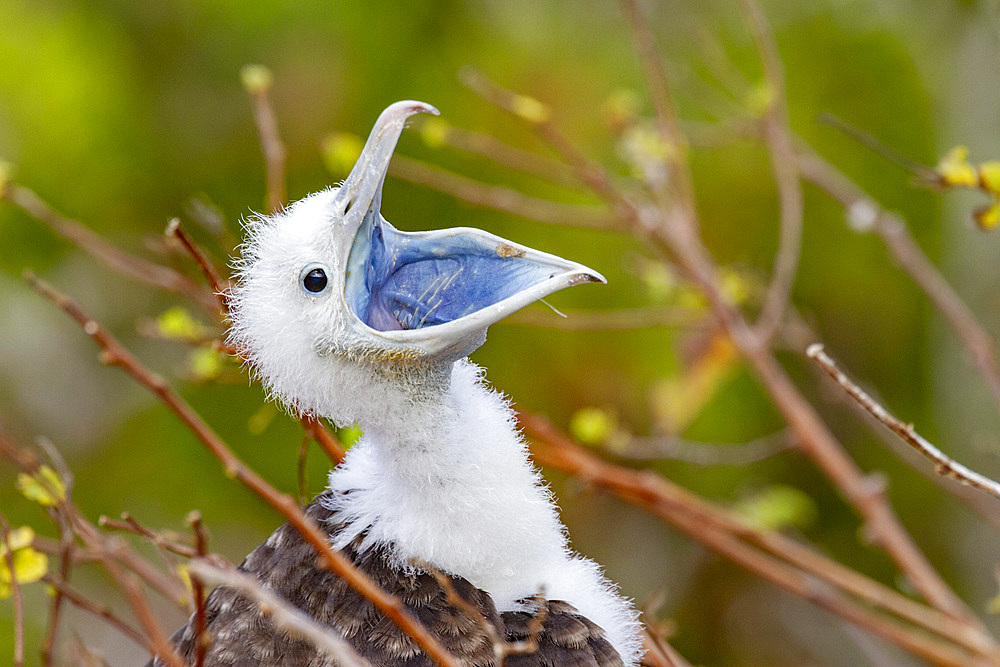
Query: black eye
[314,281]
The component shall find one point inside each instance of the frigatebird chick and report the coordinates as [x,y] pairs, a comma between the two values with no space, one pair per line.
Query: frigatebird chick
[344,317]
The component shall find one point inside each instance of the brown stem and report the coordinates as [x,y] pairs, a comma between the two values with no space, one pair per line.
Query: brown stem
[132,266]
[97,610]
[220,290]
[497,197]
[271,145]
[943,465]
[778,138]
[681,184]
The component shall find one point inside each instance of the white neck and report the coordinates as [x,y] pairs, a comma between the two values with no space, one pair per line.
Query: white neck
[444,478]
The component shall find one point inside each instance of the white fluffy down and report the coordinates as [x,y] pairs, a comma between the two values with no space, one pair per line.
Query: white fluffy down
[456,489]
[441,474]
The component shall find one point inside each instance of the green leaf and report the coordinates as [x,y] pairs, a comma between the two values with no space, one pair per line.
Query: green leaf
[592,426]
[44,487]
[777,507]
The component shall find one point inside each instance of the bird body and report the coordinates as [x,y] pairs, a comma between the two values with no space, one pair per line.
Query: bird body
[344,317]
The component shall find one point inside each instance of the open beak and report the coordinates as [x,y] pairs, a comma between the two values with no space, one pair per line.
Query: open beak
[436,291]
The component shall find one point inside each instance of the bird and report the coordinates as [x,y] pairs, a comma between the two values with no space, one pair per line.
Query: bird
[344,317]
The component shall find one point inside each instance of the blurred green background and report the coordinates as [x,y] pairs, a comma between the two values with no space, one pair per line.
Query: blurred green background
[124,114]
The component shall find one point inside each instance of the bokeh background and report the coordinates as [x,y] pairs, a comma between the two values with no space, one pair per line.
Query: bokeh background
[124,114]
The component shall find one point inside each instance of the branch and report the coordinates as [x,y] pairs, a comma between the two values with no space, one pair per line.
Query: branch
[488,146]
[98,247]
[257,80]
[114,353]
[497,197]
[680,181]
[97,610]
[215,281]
[778,138]
[197,587]
[943,465]
[289,618]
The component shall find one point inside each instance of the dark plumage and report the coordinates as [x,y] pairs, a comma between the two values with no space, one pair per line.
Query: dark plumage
[241,635]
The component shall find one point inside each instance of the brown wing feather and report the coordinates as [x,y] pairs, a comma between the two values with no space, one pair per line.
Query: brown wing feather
[241,635]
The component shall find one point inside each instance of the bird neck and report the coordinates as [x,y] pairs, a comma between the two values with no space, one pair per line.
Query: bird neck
[444,478]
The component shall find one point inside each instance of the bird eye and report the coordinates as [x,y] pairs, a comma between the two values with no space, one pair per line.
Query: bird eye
[314,279]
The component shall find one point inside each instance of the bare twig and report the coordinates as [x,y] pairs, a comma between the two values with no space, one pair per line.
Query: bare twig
[316,430]
[659,652]
[114,353]
[129,525]
[219,288]
[200,622]
[498,197]
[778,138]
[488,146]
[286,616]
[653,448]
[680,182]
[15,591]
[87,605]
[257,81]
[798,338]
[97,246]
[943,465]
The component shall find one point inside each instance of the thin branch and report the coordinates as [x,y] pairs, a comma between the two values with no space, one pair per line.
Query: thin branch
[588,172]
[328,442]
[497,197]
[257,81]
[200,622]
[286,616]
[129,525]
[864,213]
[87,605]
[798,336]
[220,290]
[659,652]
[488,146]
[778,138]
[943,464]
[114,353]
[98,247]
[653,448]
[15,592]
[680,180]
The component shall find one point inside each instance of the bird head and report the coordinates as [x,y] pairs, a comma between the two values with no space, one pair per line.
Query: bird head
[333,303]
